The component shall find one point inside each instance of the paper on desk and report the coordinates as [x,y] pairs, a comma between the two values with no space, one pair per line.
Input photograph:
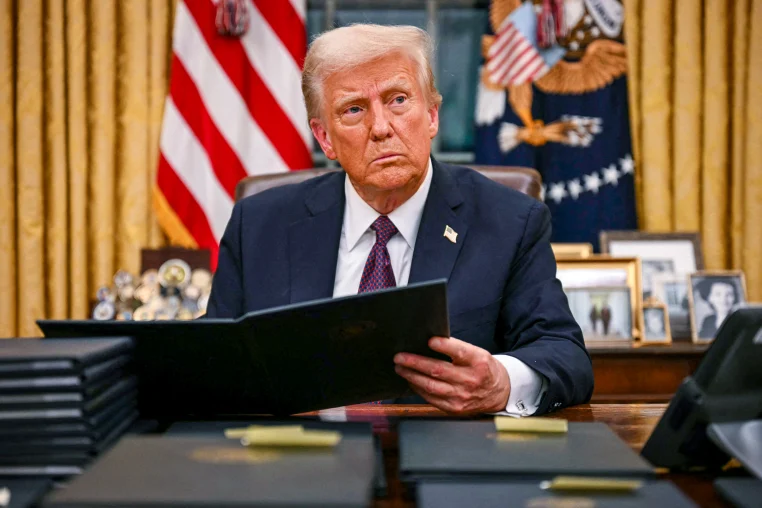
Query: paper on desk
[285,436]
[537,425]
[240,432]
[580,483]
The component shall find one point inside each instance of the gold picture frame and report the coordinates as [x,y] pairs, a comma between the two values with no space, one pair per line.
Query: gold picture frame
[600,270]
[700,330]
[656,330]
[572,250]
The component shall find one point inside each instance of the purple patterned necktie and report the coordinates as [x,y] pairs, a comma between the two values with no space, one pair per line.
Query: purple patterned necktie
[378,272]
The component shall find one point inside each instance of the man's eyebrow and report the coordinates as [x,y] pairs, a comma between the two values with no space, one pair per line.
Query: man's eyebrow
[349,97]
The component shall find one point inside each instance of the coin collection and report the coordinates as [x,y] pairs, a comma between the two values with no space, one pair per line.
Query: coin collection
[173,292]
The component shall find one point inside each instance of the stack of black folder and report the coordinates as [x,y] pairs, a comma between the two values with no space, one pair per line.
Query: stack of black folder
[62,402]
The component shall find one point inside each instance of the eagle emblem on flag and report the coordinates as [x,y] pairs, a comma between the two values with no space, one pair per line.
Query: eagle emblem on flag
[566,47]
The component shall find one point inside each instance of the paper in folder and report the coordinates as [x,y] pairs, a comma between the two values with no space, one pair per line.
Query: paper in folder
[286,360]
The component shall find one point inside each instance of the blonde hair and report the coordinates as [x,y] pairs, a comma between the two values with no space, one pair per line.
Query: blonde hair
[350,46]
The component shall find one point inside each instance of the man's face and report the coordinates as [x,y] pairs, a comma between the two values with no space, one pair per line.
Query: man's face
[376,121]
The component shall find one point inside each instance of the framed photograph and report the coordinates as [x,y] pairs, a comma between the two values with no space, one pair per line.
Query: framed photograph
[676,254]
[672,290]
[572,250]
[604,314]
[655,323]
[714,295]
[600,271]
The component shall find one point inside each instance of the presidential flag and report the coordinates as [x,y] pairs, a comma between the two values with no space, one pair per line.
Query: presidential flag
[570,119]
[234,109]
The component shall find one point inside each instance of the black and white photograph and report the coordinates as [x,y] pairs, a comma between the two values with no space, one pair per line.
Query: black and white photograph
[604,314]
[673,291]
[661,254]
[714,295]
[655,322]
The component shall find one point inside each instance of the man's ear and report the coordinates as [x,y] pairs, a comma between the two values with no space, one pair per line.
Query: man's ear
[433,121]
[323,139]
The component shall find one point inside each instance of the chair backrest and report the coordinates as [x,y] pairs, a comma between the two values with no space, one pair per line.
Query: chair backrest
[525,180]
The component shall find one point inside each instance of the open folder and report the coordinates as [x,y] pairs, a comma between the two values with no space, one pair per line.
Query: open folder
[285,360]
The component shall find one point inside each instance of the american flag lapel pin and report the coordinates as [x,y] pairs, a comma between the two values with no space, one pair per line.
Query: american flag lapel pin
[450,234]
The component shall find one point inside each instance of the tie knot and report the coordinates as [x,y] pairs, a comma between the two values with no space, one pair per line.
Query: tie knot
[384,228]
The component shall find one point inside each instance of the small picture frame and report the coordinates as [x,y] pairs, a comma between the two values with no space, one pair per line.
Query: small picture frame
[713,296]
[601,271]
[603,313]
[656,329]
[572,250]
[661,254]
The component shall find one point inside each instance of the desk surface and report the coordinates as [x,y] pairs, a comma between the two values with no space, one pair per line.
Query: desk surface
[632,422]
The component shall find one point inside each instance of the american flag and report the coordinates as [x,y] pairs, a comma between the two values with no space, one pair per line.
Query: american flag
[515,57]
[234,109]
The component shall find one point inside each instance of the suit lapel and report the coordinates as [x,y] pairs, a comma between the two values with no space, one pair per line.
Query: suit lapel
[314,241]
[435,254]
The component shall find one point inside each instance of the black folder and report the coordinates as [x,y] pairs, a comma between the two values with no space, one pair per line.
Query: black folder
[459,449]
[87,377]
[499,495]
[38,358]
[286,360]
[174,471]
[740,492]
[25,493]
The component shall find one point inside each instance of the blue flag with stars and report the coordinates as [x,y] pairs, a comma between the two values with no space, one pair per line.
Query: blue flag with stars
[570,122]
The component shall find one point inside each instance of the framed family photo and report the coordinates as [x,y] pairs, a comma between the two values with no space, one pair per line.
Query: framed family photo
[655,322]
[603,313]
[596,285]
[713,296]
[661,254]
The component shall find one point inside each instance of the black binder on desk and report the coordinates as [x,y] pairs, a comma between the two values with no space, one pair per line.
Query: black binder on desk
[174,471]
[499,495]
[87,378]
[468,449]
[21,358]
[286,360]
[740,492]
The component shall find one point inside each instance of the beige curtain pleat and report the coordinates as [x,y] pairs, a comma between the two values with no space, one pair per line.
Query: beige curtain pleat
[160,48]
[656,114]
[686,125]
[77,159]
[633,36]
[55,169]
[102,140]
[738,130]
[133,190]
[8,273]
[716,161]
[30,211]
[752,250]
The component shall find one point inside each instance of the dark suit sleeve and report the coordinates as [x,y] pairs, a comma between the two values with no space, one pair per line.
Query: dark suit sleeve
[540,329]
[226,300]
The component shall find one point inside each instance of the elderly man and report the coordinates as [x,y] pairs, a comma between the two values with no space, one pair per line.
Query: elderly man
[373,106]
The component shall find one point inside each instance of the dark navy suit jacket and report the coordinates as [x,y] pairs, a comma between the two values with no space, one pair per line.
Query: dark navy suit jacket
[281,247]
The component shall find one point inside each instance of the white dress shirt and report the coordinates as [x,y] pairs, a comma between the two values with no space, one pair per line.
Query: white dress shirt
[357,240]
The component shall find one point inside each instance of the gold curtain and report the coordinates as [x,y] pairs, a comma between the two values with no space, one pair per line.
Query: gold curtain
[82,87]
[695,76]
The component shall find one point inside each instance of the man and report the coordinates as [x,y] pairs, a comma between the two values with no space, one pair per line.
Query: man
[373,106]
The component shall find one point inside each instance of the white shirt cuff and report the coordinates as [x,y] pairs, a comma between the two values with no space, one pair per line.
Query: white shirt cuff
[527,387]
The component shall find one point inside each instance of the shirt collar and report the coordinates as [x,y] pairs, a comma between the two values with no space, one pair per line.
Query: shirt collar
[359,215]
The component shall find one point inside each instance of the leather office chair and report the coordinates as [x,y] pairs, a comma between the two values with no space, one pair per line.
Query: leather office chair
[525,180]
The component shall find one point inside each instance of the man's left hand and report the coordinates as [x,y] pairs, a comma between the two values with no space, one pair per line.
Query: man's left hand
[475,382]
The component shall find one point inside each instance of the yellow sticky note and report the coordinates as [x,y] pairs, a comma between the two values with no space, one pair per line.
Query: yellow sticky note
[580,483]
[240,432]
[291,437]
[539,425]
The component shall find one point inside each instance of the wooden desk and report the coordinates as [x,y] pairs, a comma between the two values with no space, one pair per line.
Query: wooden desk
[632,422]
[626,372]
